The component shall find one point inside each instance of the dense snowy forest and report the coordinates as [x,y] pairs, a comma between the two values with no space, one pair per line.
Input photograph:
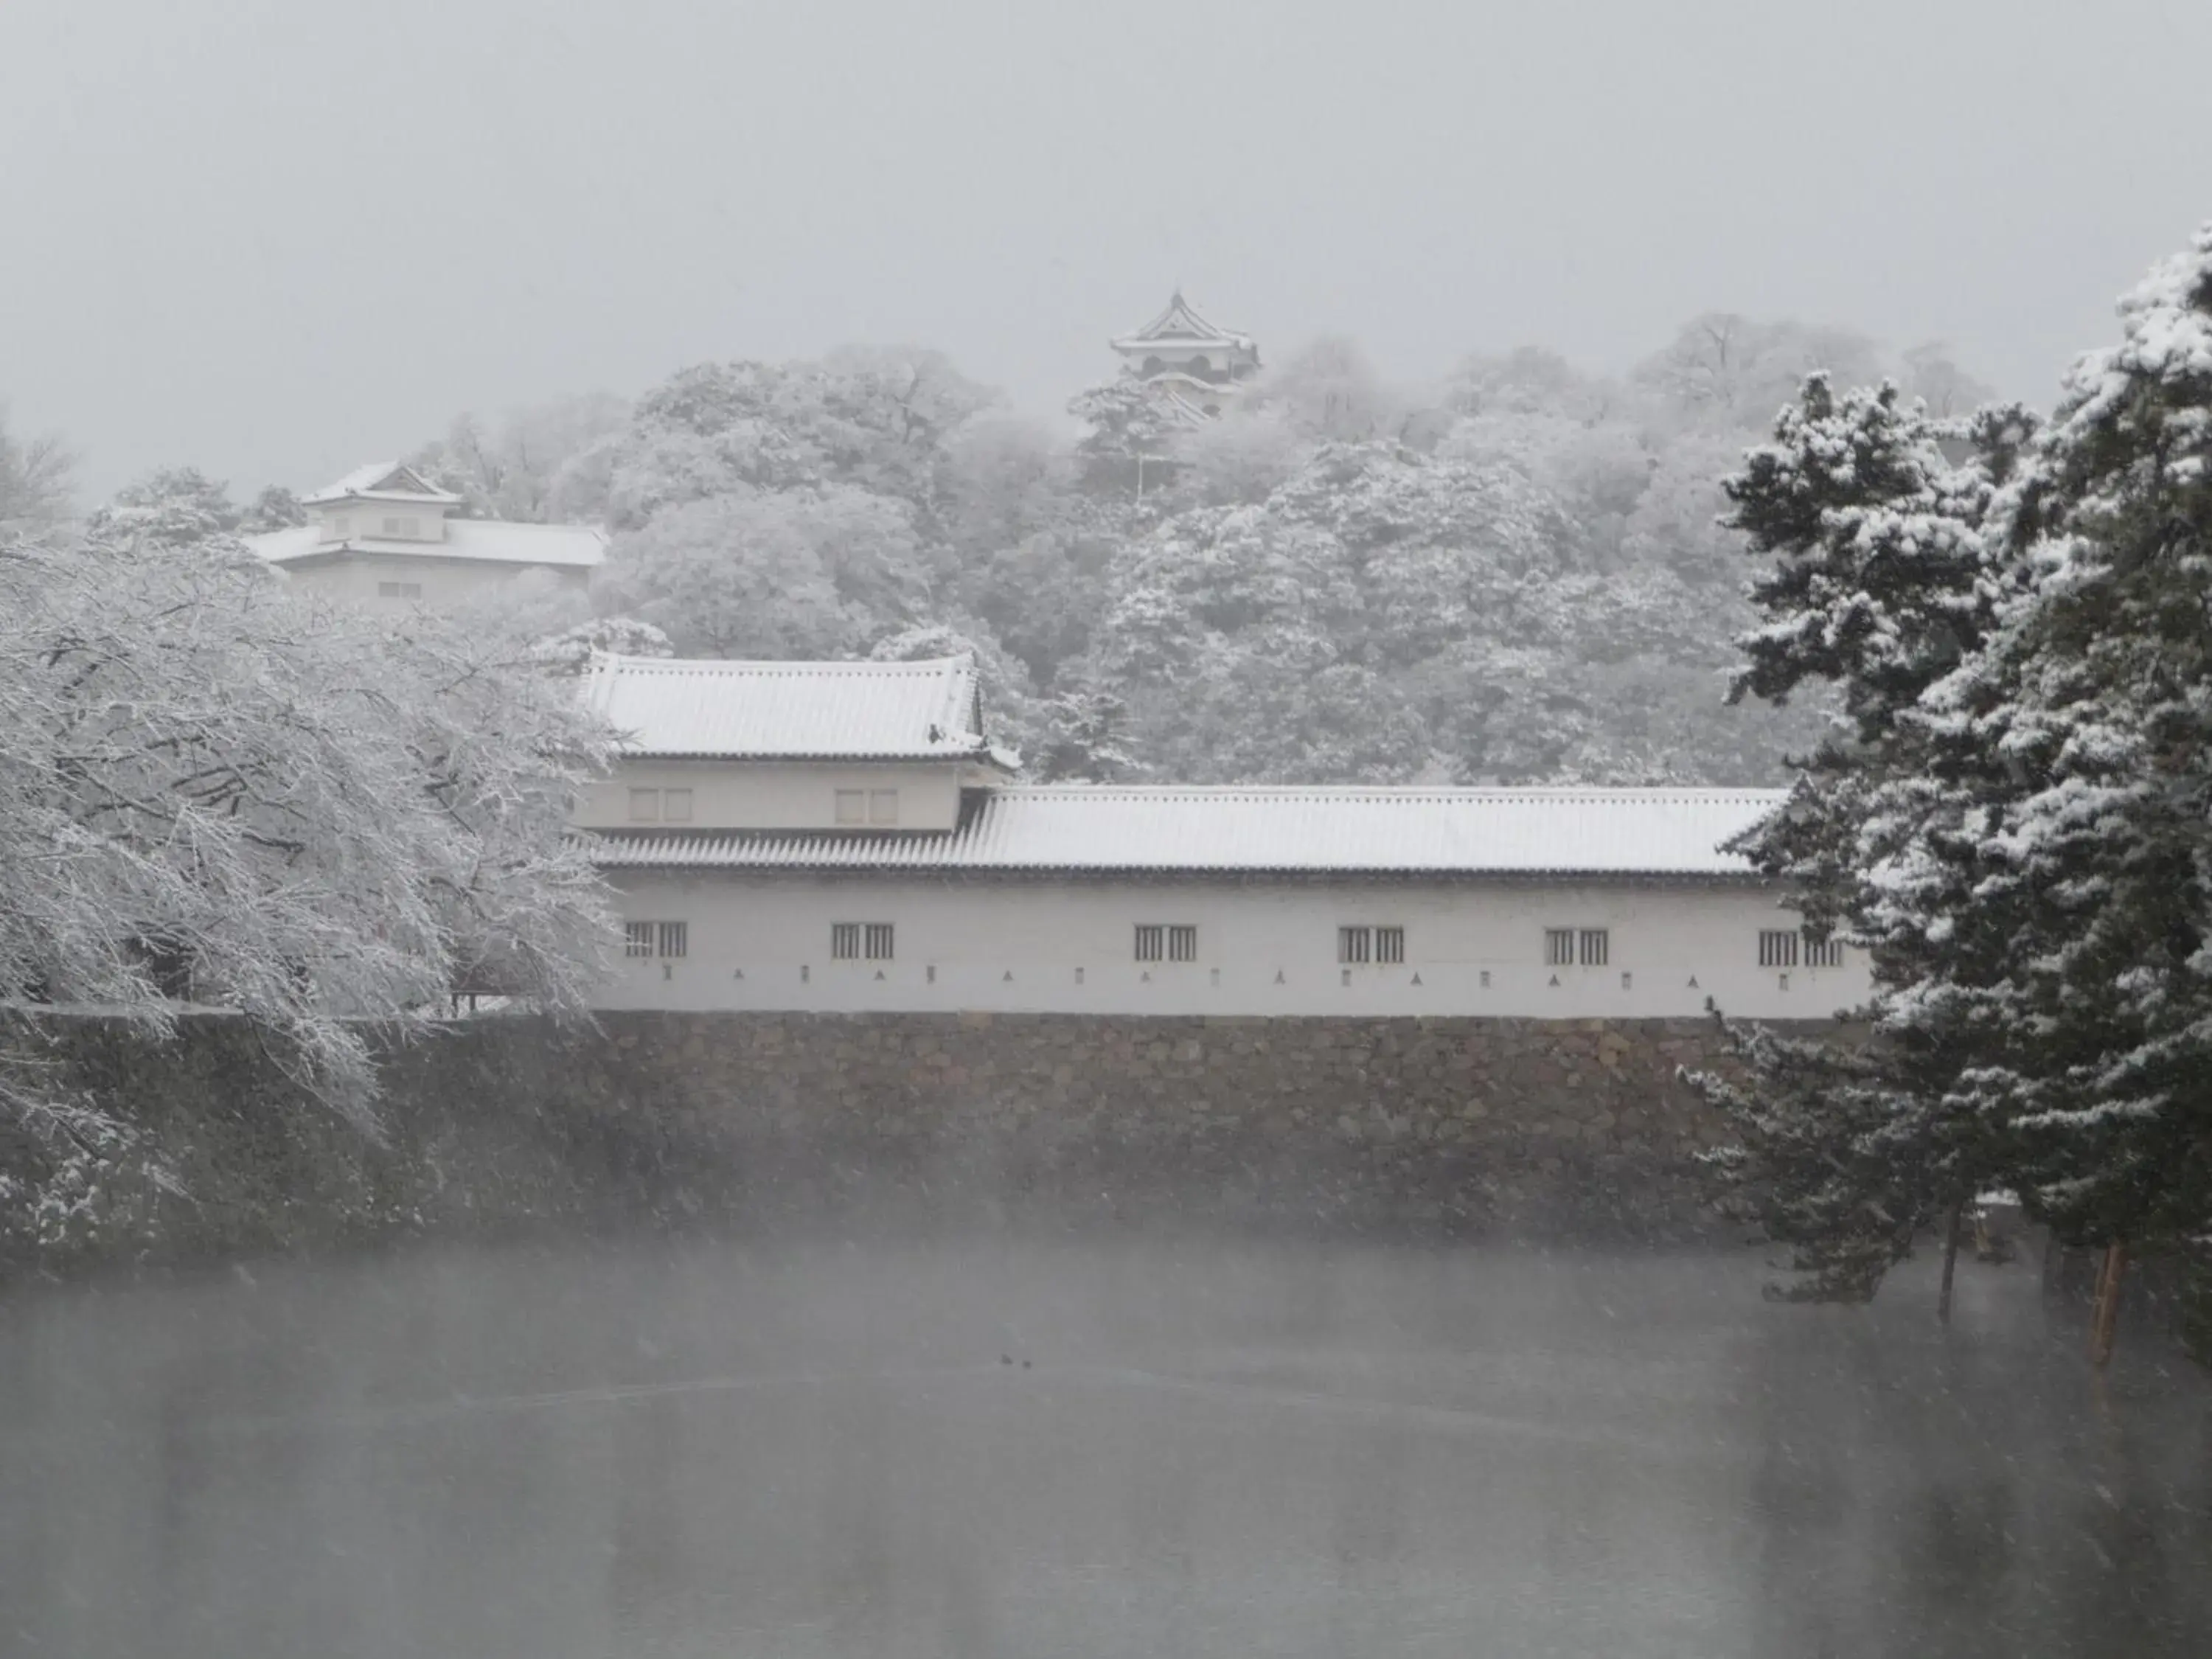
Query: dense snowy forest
[1513,576]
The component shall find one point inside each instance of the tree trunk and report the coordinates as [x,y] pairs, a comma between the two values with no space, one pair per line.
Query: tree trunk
[2104,1313]
[1950,1260]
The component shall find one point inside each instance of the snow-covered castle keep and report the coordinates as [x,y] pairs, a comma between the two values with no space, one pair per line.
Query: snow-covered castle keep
[843,837]
[1191,367]
[384,536]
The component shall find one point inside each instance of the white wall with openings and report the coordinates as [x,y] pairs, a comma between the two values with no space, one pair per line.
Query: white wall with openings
[358,578]
[763,795]
[1633,949]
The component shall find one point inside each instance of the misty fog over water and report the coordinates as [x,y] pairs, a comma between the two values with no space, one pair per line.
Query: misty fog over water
[1045,1446]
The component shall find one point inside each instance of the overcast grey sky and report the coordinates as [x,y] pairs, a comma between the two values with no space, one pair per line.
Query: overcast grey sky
[277,238]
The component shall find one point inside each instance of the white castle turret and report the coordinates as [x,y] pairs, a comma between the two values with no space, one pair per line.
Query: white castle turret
[1192,366]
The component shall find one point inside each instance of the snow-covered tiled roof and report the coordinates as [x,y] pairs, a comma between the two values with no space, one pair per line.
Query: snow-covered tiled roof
[382,481]
[1180,324]
[1178,406]
[1376,831]
[494,540]
[928,710]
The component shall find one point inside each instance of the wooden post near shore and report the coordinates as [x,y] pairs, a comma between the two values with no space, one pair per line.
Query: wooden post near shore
[1950,1260]
[2105,1311]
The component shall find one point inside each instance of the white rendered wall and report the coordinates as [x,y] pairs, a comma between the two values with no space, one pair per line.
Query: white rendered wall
[365,518]
[353,578]
[756,795]
[763,942]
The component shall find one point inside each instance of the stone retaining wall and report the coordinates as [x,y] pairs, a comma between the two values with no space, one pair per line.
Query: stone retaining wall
[1454,1122]
[1451,1126]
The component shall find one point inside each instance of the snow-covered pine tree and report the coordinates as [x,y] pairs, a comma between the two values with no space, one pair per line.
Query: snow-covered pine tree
[1829,1157]
[1881,584]
[2083,734]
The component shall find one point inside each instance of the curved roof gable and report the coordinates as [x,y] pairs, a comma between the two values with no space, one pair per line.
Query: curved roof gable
[383,480]
[1180,324]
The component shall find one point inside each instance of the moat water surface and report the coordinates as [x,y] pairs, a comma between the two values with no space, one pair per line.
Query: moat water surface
[1044,1447]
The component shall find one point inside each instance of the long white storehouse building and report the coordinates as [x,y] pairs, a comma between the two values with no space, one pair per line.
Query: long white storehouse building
[842,837]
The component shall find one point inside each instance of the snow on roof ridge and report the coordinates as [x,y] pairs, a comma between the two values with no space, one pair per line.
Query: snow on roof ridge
[360,478]
[485,541]
[1572,791]
[362,482]
[566,526]
[737,708]
[788,666]
[1203,328]
[1375,830]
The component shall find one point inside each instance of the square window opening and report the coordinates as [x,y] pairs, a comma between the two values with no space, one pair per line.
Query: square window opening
[676,805]
[645,806]
[852,806]
[883,806]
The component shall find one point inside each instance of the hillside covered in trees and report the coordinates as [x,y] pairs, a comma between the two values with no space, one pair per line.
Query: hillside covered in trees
[1515,575]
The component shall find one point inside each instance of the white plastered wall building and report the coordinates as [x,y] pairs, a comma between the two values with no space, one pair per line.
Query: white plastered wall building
[843,838]
[382,536]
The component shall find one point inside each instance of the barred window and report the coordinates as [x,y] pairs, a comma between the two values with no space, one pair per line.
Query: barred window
[676,805]
[675,938]
[1152,942]
[1823,952]
[1558,947]
[1357,944]
[637,938]
[1777,948]
[849,941]
[1182,943]
[1597,947]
